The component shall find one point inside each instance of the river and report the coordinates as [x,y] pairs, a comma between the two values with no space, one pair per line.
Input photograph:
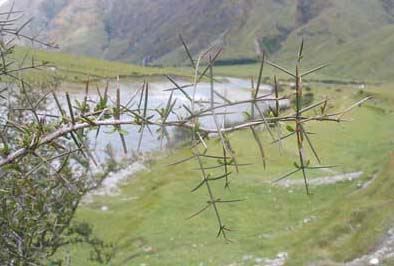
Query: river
[233,88]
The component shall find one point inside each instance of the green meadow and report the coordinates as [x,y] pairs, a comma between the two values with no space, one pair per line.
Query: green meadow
[76,69]
[165,214]
[148,222]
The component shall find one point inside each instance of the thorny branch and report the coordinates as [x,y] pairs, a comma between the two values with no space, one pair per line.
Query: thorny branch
[51,130]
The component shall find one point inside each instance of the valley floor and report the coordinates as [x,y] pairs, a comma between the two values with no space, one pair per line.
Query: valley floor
[276,224]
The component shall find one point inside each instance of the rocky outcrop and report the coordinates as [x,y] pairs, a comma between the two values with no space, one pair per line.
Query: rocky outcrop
[309,9]
[388,6]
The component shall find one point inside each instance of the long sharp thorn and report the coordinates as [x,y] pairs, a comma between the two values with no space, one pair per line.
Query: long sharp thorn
[260,76]
[305,181]
[199,212]
[321,167]
[310,144]
[260,145]
[354,106]
[182,161]
[118,111]
[286,175]
[85,100]
[277,110]
[220,177]
[70,108]
[78,144]
[314,70]
[187,51]
[212,61]
[144,115]
[199,185]
[300,51]
[227,184]
[179,88]
[230,201]
[280,68]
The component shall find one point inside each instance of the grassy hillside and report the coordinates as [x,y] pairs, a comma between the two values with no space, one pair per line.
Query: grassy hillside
[147,220]
[70,68]
[340,222]
[353,35]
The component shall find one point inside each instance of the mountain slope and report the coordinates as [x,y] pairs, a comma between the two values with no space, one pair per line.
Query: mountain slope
[147,31]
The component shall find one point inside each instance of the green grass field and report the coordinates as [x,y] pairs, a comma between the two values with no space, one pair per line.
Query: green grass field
[76,69]
[148,224]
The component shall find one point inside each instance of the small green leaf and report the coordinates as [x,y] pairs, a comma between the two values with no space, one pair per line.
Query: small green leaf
[290,128]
